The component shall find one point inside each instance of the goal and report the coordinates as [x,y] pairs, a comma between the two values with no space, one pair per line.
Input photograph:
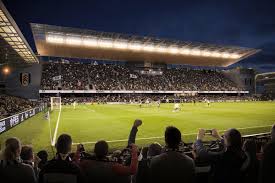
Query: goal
[55,103]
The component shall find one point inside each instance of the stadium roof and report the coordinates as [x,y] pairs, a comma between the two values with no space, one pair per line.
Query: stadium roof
[80,43]
[13,46]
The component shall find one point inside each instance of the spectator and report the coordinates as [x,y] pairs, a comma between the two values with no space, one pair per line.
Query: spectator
[268,162]
[146,155]
[12,170]
[82,154]
[43,156]
[172,166]
[104,171]
[154,150]
[61,168]
[143,174]
[226,165]
[252,170]
[28,157]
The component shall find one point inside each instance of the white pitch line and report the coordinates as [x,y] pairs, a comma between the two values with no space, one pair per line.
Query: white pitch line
[253,127]
[49,121]
[122,140]
[56,127]
[159,137]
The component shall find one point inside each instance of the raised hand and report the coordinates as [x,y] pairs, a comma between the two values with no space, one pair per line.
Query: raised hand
[201,134]
[137,123]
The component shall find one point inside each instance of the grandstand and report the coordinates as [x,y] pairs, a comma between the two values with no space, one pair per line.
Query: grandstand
[93,85]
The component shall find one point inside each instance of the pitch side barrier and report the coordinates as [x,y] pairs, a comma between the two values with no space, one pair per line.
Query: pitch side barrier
[14,120]
[139,91]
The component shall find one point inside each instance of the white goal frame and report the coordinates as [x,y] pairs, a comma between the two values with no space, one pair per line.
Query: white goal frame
[55,103]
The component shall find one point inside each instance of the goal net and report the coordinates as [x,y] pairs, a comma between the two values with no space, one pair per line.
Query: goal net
[55,103]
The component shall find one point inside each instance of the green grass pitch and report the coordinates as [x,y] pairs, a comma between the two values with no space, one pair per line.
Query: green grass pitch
[89,123]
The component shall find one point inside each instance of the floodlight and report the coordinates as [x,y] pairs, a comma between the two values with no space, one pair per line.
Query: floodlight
[196,52]
[216,54]
[161,49]
[105,43]
[89,41]
[206,53]
[173,50]
[6,70]
[57,39]
[73,40]
[235,56]
[135,46]
[185,51]
[225,55]
[149,47]
[120,44]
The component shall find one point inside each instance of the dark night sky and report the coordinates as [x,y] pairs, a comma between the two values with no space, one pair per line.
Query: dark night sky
[248,23]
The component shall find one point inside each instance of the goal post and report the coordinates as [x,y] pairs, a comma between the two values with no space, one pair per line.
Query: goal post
[55,103]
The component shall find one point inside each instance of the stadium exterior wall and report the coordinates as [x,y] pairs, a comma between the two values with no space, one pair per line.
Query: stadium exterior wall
[14,120]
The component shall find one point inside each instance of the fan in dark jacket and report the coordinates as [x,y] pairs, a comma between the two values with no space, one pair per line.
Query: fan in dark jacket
[29,158]
[172,165]
[143,174]
[102,170]
[268,161]
[61,168]
[12,170]
[226,166]
[253,164]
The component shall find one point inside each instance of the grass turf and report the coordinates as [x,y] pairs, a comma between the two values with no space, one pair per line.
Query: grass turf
[89,123]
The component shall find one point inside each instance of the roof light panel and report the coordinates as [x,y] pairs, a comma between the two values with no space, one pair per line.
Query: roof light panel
[57,39]
[89,41]
[195,52]
[185,51]
[12,29]
[105,43]
[135,46]
[149,46]
[161,49]
[216,54]
[173,50]
[73,40]
[120,44]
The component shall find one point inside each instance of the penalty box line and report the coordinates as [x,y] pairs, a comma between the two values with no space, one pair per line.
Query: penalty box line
[160,137]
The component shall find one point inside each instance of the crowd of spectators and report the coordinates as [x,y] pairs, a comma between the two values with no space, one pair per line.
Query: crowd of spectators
[73,76]
[227,160]
[142,98]
[10,105]
[79,76]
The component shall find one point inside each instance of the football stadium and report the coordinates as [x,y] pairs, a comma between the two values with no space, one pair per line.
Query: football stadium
[85,105]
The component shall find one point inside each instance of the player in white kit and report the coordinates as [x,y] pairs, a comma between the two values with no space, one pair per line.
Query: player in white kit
[74,104]
[176,107]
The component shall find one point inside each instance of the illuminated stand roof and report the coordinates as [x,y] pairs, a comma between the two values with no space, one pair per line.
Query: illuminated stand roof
[79,43]
[12,40]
